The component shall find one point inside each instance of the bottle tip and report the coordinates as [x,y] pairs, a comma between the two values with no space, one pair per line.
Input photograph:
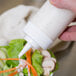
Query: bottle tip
[25,49]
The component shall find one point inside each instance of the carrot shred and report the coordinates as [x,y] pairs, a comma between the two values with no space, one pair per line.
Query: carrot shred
[11,68]
[28,55]
[17,59]
[33,71]
[14,73]
[32,68]
[8,70]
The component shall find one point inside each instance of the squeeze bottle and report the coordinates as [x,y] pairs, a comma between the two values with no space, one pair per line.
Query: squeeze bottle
[46,26]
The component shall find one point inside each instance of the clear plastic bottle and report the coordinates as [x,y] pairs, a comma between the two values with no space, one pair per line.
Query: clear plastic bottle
[46,26]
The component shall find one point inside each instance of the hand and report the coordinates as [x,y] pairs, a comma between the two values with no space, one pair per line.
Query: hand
[67,4]
[70,33]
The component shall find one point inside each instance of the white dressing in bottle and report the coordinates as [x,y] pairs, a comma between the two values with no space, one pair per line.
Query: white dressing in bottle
[46,26]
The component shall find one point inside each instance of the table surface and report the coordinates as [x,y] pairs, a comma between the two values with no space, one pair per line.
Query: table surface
[66,58]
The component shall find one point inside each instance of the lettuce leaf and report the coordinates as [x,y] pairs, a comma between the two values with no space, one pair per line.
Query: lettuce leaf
[15,46]
[7,73]
[25,71]
[37,62]
[5,68]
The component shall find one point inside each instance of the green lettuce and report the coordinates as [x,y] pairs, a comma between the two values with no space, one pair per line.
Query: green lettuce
[15,46]
[37,62]
[25,72]
[5,68]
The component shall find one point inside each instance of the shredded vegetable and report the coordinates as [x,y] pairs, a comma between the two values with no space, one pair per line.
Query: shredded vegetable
[14,73]
[8,70]
[17,59]
[28,55]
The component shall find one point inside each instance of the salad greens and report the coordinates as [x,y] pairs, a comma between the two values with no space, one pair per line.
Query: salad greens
[15,46]
[5,68]
[37,62]
[12,51]
[25,71]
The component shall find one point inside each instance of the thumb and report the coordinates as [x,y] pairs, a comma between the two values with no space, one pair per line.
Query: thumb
[67,4]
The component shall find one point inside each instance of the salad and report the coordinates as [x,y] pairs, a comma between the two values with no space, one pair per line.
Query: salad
[32,63]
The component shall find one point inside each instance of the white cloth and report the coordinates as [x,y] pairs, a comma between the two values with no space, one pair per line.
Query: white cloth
[13,21]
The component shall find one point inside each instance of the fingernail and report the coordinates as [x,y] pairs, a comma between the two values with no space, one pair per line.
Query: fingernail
[53,1]
[57,3]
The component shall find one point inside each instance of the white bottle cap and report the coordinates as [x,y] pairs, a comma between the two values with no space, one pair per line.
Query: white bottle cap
[35,38]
